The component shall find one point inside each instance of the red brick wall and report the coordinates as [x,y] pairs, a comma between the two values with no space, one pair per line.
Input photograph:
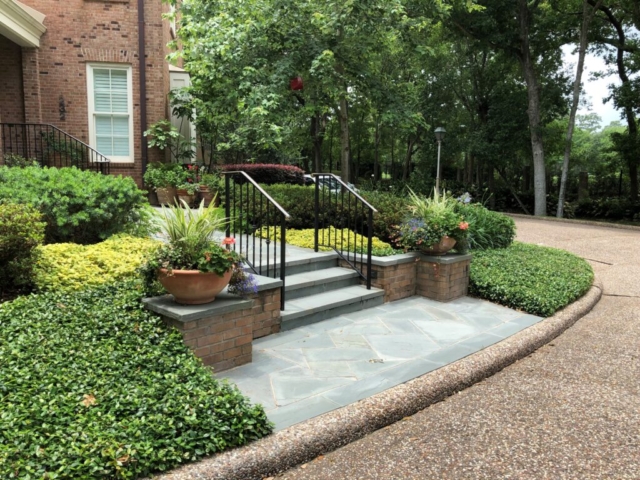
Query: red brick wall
[11,95]
[81,32]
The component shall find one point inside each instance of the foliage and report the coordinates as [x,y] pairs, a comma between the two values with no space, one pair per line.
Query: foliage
[439,215]
[538,280]
[190,247]
[213,181]
[392,210]
[487,229]
[267,174]
[344,239]
[13,160]
[21,231]
[95,386]
[78,206]
[167,137]
[164,175]
[609,208]
[68,267]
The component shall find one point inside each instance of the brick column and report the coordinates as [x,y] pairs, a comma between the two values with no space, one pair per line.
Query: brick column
[443,278]
[31,85]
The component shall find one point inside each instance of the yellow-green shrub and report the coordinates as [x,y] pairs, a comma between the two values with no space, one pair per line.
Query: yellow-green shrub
[70,266]
[334,236]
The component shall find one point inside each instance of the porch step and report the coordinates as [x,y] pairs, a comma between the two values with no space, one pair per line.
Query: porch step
[321,306]
[319,281]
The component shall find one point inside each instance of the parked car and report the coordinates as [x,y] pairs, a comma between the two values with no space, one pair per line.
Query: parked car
[327,182]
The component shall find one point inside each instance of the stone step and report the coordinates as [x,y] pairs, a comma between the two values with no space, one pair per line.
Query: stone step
[311,283]
[321,306]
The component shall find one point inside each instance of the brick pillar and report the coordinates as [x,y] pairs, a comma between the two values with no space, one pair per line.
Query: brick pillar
[443,278]
[31,85]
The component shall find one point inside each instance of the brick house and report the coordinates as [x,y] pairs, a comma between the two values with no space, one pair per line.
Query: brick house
[75,64]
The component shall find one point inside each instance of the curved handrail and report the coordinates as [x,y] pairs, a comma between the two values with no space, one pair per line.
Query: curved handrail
[359,197]
[261,190]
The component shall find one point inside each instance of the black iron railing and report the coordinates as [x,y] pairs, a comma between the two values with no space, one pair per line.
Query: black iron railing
[258,224]
[50,147]
[340,213]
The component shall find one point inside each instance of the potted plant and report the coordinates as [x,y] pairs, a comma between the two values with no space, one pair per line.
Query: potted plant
[211,184]
[191,266]
[163,178]
[433,227]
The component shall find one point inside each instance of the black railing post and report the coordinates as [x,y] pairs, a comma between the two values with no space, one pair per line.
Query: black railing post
[227,205]
[316,221]
[369,247]
[283,252]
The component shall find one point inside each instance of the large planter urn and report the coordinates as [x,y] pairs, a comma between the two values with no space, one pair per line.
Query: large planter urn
[185,196]
[192,287]
[209,195]
[443,246]
[166,196]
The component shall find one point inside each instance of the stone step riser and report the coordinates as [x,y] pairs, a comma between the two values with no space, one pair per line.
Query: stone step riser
[326,286]
[331,312]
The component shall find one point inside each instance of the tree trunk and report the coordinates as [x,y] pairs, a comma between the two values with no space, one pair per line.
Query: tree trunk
[533,111]
[587,15]
[376,157]
[406,170]
[318,127]
[344,138]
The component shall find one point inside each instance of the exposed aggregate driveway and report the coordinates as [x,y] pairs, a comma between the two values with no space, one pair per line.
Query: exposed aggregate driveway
[571,410]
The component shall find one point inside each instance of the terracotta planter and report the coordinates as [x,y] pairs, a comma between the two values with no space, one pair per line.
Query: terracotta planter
[443,246]
[166,196]
[209,195]
[152,197]
[190,287]
[183,195]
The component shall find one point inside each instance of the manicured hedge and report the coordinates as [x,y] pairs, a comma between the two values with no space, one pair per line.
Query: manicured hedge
[69,266]
[94,386]
[21,231]
[537,280]
[77,206]
[267,174]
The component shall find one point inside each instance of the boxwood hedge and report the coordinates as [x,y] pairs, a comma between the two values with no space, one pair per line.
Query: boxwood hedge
[94,386]
[538,280]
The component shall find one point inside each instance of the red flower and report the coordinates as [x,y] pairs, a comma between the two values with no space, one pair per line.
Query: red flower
[463,225]
[228,241]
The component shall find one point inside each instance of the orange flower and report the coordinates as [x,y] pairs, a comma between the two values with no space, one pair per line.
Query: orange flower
[463,225]
[228,241]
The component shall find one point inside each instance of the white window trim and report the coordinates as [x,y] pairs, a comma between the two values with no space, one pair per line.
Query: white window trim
[90,108]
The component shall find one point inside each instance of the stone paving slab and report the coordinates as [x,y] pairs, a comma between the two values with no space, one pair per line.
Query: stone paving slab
[303,373]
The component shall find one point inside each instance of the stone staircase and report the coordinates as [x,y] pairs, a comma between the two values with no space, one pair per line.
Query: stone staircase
[316,289]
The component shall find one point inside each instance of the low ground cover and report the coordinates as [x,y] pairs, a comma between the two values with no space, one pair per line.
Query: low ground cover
[71,267]
[343,239]
[95,386]
[537,280]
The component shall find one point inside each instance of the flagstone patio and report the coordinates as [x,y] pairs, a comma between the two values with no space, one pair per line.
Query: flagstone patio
[308,371]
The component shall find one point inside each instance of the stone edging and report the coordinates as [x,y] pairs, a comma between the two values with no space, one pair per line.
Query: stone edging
[305,441]
[575,221]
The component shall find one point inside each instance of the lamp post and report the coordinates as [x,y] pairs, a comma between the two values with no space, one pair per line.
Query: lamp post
[439,137]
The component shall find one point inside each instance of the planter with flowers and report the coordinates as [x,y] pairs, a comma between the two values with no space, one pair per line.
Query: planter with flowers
[191,266]
[163,179]
[433,226]
[211,186]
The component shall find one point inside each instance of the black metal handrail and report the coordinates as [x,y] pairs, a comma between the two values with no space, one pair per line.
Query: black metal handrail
[248,208]
[355,215]
[50,146]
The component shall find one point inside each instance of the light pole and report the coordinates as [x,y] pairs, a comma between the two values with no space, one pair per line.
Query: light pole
[439,137]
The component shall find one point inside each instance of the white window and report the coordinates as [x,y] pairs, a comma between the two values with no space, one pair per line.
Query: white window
[110,111]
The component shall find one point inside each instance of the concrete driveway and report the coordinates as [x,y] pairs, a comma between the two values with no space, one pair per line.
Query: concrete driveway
[571,410]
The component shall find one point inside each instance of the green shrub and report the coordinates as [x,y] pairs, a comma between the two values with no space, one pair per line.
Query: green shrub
[13,160]
[487,229]
[342,238]
[538,280]
[299,202]
[392,211]
[267,174]
[70,266]
[78,206]
[21,231]
[95,386]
